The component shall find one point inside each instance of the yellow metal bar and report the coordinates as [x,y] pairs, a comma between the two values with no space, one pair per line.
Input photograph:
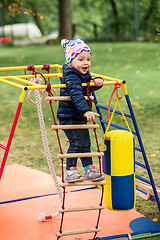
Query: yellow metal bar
[22,95]
[11,83]
[58,69]
[109,83]
[24,81]
[64,85]
[106,77]
[33,86]
[45,86]
[25,67]
[60,75]
[32,76]
[124,88]
[13,68]
[50,75]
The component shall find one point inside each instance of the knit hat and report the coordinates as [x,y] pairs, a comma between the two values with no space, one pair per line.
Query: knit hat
[73,48]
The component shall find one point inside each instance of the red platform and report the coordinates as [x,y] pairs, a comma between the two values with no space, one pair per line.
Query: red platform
[26,192]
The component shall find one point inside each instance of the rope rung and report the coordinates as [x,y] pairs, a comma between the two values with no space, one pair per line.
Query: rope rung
[84,183]
[76,155]
[63,98]
[74,232]
[79,209]
[81,126]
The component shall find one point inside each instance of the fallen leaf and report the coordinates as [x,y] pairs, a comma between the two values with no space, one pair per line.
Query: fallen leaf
[153,155]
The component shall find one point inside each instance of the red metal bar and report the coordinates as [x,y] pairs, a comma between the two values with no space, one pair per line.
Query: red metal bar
[10,138]
[2,146]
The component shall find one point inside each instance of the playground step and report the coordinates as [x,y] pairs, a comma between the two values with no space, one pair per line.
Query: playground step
[84,183]
[81,126]
[79,209]
[74,232]
[76,155]
[63,98]
[143,195]
[148,188]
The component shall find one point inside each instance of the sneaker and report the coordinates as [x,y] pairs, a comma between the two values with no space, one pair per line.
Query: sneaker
[72,175]
[92,174]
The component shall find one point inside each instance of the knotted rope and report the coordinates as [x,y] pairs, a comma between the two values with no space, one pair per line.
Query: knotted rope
[88,90]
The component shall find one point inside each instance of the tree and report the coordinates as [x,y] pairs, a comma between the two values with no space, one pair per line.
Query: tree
[25,7]
[112,19]
[65,24]
[14,7]
[115,14]
[37,16]
[148,14]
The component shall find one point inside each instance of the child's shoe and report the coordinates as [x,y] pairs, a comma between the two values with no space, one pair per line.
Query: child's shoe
[93,175]
[72,175]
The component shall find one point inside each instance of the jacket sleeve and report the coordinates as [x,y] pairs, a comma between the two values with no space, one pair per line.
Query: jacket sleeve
[75,89]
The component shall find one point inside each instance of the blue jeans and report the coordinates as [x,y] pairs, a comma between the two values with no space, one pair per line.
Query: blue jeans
[79,142]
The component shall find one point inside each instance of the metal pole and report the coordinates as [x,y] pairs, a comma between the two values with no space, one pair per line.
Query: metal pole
[12,132]
[143,151]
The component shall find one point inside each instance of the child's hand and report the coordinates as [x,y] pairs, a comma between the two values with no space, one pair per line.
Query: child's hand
[90,116]
[98,82]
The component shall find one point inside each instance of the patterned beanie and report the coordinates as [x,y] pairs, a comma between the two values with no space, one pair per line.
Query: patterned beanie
[73,48]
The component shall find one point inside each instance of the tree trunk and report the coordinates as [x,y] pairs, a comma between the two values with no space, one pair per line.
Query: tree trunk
[115,13]
[65,24]
[37,20]
[152,6]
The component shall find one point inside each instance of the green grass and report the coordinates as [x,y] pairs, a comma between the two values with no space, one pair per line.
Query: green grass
[136,63]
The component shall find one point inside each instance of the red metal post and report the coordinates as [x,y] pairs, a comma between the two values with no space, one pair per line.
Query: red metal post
[12,132]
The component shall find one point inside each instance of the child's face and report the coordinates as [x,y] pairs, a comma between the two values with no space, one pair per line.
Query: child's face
[82,62]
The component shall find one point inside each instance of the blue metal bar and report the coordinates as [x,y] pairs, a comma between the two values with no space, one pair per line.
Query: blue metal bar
[45,195]
[140,164]
[138,149]
[143,151]
[135,235]
[116,111]
[143,179]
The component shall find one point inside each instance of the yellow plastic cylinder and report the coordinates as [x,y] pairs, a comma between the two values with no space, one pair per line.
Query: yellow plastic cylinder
[119,170]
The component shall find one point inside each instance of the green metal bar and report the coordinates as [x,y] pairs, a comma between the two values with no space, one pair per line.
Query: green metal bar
[143,236]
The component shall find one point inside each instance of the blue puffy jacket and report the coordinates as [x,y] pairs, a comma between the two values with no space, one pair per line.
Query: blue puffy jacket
[79,105]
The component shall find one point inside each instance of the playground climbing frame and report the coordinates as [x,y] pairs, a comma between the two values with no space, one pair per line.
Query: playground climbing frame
[146,188]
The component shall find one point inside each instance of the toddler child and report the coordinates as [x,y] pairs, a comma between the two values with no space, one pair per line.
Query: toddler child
[77,111]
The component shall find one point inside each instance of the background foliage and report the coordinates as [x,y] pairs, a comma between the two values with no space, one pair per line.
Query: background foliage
[99,20]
